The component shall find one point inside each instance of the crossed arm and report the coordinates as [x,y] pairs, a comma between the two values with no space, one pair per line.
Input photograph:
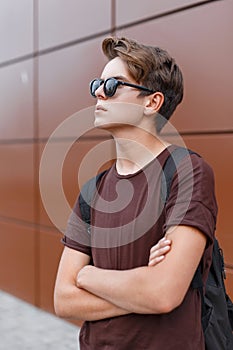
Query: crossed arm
[89,293]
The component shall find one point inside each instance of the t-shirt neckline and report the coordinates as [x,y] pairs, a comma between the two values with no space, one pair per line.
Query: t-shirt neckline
[127,176]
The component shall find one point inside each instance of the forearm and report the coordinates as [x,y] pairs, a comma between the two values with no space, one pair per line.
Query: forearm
[76,303]
[130,289]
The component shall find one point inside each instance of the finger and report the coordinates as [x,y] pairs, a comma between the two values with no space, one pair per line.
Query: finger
[155,261]
[159,246]
[162,243]
[159,252]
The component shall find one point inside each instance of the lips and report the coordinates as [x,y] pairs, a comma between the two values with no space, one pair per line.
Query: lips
[100,108]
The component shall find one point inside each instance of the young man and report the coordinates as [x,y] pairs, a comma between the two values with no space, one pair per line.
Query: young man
[108,278]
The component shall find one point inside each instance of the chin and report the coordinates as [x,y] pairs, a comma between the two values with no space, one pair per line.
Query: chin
[101,124]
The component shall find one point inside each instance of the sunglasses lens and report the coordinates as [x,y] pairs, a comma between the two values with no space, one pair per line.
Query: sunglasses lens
[110,87]
[94,85]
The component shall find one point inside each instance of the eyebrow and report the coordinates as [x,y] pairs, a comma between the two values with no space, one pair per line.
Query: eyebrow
[119,77]
[122,77]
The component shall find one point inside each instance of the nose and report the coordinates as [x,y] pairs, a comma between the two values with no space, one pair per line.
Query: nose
[99,93]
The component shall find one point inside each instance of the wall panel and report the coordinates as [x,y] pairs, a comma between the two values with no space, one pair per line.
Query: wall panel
[16,28]
[229,282]
[17,260]
[16,182]
[16,101]
[127,12]
[64,83]
[61,21]
[197,43]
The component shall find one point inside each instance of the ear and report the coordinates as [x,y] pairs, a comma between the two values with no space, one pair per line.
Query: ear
[153,103]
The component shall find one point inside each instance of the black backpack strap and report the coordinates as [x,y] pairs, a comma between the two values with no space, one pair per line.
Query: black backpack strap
[170,168]
[86,196]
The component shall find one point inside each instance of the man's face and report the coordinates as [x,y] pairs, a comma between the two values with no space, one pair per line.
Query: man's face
[125,107]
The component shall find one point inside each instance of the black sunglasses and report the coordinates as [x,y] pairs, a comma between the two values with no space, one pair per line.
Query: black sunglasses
[111,85]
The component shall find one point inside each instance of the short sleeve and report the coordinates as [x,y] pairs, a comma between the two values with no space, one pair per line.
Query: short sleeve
[76,235]
[192,199]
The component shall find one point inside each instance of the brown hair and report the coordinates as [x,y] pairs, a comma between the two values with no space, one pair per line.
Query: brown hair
[152,67]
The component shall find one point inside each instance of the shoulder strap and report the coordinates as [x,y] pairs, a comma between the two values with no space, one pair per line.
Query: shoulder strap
[169,170]
[85,198]
[170,167]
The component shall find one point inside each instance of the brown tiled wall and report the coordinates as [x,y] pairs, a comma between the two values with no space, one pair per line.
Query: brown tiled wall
[49,53]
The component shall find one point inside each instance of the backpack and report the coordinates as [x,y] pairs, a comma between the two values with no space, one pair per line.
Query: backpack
[217,307]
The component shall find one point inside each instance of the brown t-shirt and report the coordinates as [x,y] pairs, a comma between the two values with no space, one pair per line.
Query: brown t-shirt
[128,218]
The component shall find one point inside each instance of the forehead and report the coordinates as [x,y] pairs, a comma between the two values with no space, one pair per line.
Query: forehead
[114,68]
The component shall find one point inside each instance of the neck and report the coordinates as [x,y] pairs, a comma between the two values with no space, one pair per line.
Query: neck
[134,153]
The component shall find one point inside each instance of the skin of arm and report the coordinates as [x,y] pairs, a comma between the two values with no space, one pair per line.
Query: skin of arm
[73,302]
[153,289]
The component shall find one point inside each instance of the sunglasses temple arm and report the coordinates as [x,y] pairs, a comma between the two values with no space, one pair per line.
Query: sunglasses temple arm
[136,86]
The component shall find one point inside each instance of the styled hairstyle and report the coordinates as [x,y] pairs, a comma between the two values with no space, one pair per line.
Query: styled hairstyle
[152,67]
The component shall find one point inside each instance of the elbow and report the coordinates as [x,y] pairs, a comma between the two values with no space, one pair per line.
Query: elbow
[167,306]
[60,306]
[67,304]
[59,311]
[169,303]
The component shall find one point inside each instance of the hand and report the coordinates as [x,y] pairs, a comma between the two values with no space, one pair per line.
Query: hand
[159,251]
[84,276]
